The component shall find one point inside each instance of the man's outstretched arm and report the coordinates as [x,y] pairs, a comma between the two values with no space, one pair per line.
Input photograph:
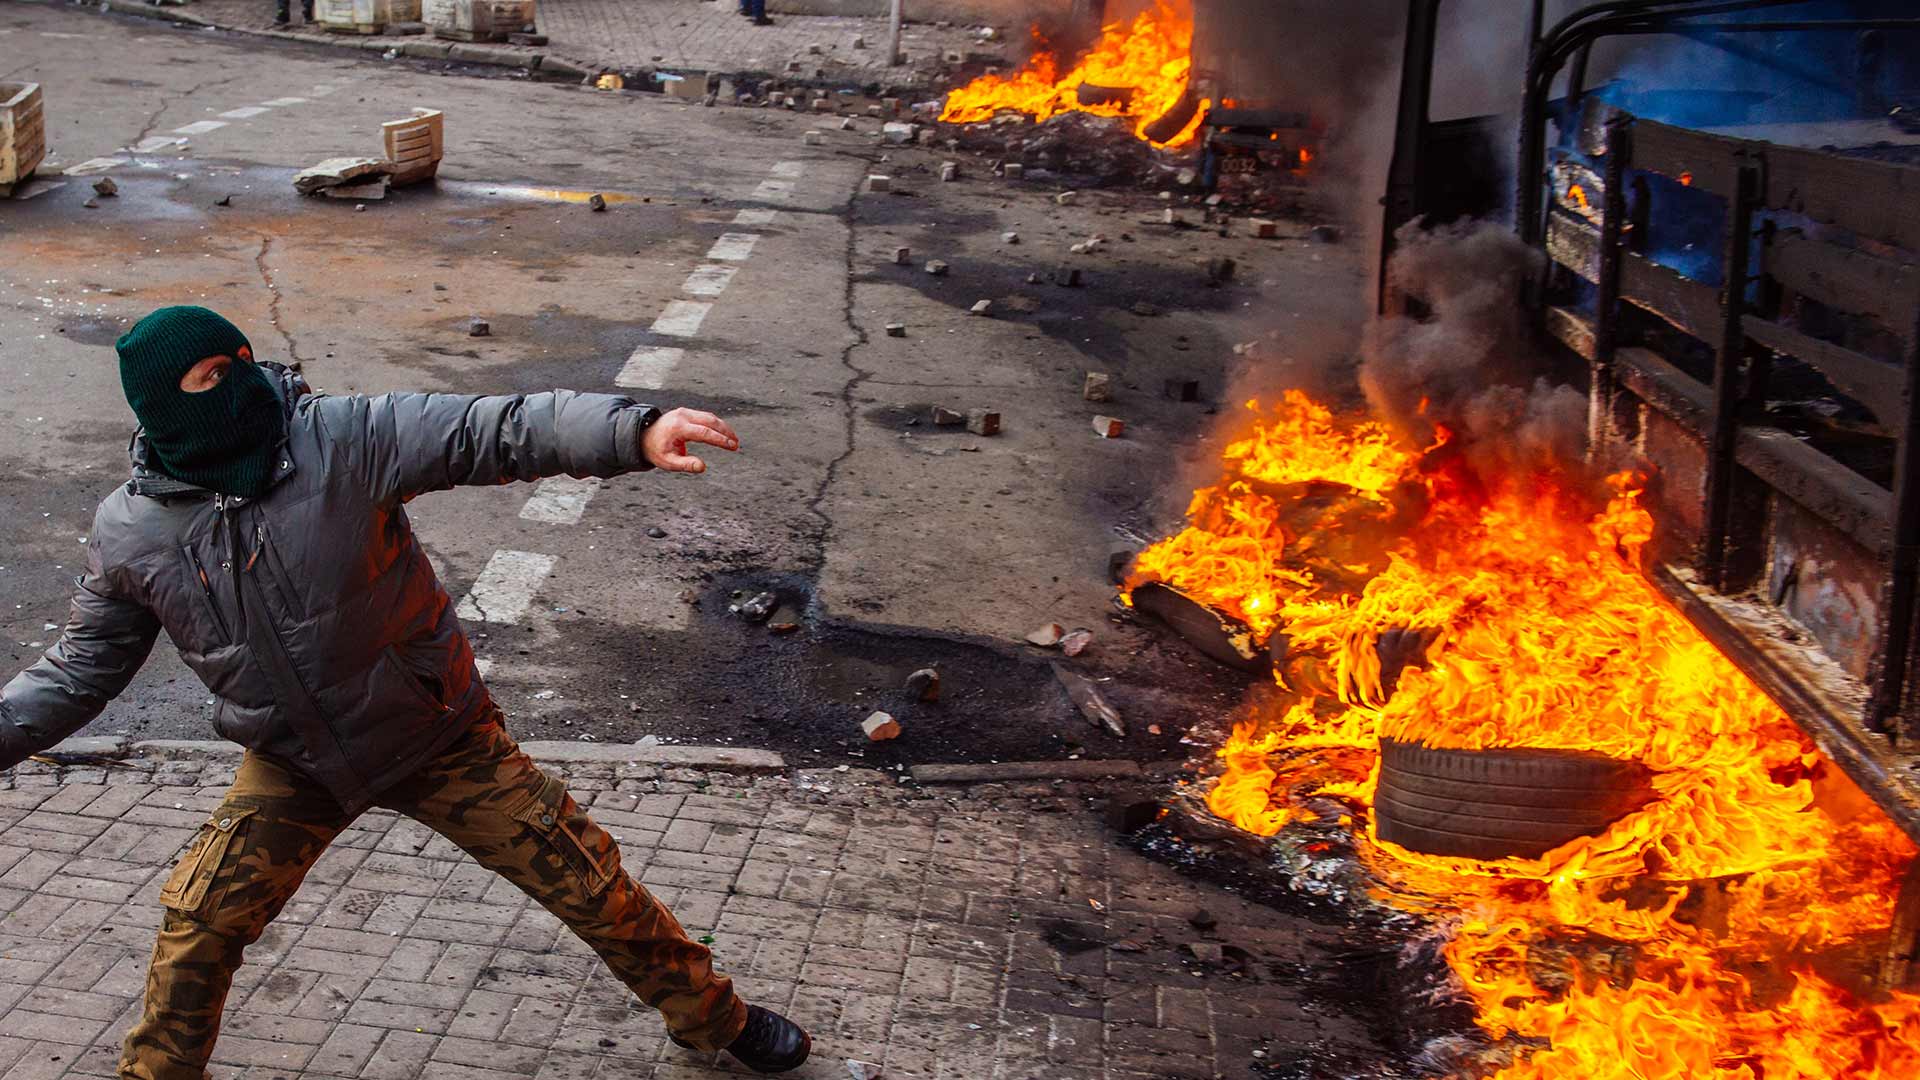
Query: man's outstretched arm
[106,641]
[408,444]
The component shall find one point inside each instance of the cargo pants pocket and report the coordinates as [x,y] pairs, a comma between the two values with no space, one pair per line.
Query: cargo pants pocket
[186,890]
[586,850]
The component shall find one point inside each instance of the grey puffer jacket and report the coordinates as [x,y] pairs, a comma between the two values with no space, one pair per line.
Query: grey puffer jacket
[311,612]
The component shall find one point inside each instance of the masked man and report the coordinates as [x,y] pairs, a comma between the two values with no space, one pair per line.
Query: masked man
[264,531]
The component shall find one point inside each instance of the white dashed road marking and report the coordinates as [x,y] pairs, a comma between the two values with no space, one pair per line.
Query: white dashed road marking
[733,247]
[682,318]
[200,127]
[789,169]
[648,367]
[759,216]
[774,190]
[506,587]
[709,280]
[154,143]
[246,112]
[560,500]
[283,102]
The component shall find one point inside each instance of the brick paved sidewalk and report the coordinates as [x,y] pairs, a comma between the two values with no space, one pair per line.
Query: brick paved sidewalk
[945,933]
[694,35]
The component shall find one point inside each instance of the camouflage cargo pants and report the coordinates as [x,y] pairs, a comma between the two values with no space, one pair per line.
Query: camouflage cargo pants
[483,794]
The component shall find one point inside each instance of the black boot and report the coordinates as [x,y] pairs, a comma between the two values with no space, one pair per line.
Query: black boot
[770,1043]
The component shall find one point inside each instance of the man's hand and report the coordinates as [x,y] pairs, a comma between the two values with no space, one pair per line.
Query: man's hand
[665,443]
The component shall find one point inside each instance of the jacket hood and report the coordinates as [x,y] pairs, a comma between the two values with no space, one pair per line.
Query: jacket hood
[147,480]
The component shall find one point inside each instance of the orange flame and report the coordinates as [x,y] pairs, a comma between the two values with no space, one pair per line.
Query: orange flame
[1544,634]
[1150,57]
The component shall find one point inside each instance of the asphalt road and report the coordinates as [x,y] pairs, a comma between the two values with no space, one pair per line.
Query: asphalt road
[739,268]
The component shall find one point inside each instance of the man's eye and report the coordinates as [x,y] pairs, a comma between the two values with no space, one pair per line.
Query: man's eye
[219,374]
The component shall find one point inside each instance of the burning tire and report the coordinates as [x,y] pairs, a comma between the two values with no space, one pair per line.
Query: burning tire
[1493,804]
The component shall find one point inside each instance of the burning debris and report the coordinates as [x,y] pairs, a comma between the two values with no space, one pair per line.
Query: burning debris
[1136,70]
[1702,883]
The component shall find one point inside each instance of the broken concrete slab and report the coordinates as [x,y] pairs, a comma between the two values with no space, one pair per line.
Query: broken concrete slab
[878,183]
[945,417]
[1013,170]
[902,256]
[897,133]
[1076,641]
[1087,698]
[478,327]
[372,190]
[982,308]
[880,727]
[1098,387]
[937,268]
[333,172]
[1010,238]
[896,329]
[949,171]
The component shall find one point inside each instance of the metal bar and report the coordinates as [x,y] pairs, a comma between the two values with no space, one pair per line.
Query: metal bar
[1606,334]
[1403,173]
[1892,674]
[894,18]
[1791,27]
[1727,387]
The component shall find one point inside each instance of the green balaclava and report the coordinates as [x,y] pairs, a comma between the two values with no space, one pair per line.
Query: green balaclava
[225,438]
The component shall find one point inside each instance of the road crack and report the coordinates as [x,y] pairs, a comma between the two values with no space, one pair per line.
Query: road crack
[858,376]
[273,299]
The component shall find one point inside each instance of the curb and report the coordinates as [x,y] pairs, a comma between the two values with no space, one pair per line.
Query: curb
[567,753]
[1028,770]
[413,46]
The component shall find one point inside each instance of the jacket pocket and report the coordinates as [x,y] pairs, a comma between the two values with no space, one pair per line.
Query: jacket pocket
[283,582]
[415,685]
[586,850]
[186,890]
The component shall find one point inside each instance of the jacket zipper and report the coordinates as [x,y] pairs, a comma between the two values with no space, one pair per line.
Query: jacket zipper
[206,589]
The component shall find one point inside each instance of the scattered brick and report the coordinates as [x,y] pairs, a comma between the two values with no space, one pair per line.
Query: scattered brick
[983,422]
[880,727]
[1098,387]
[1108,427]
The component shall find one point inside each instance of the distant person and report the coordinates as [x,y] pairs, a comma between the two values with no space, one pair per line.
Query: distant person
[283,14]
[265,530]
[757,11]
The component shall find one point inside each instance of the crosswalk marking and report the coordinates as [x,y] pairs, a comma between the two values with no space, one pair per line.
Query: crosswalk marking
[774,190]
[283,102]
[560,500]
[245,112]
[756,216]
[789,169]
[733,247]
[200,127]
[682,318]
[506,586]
[709,280]
[648,367]
[156,142]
